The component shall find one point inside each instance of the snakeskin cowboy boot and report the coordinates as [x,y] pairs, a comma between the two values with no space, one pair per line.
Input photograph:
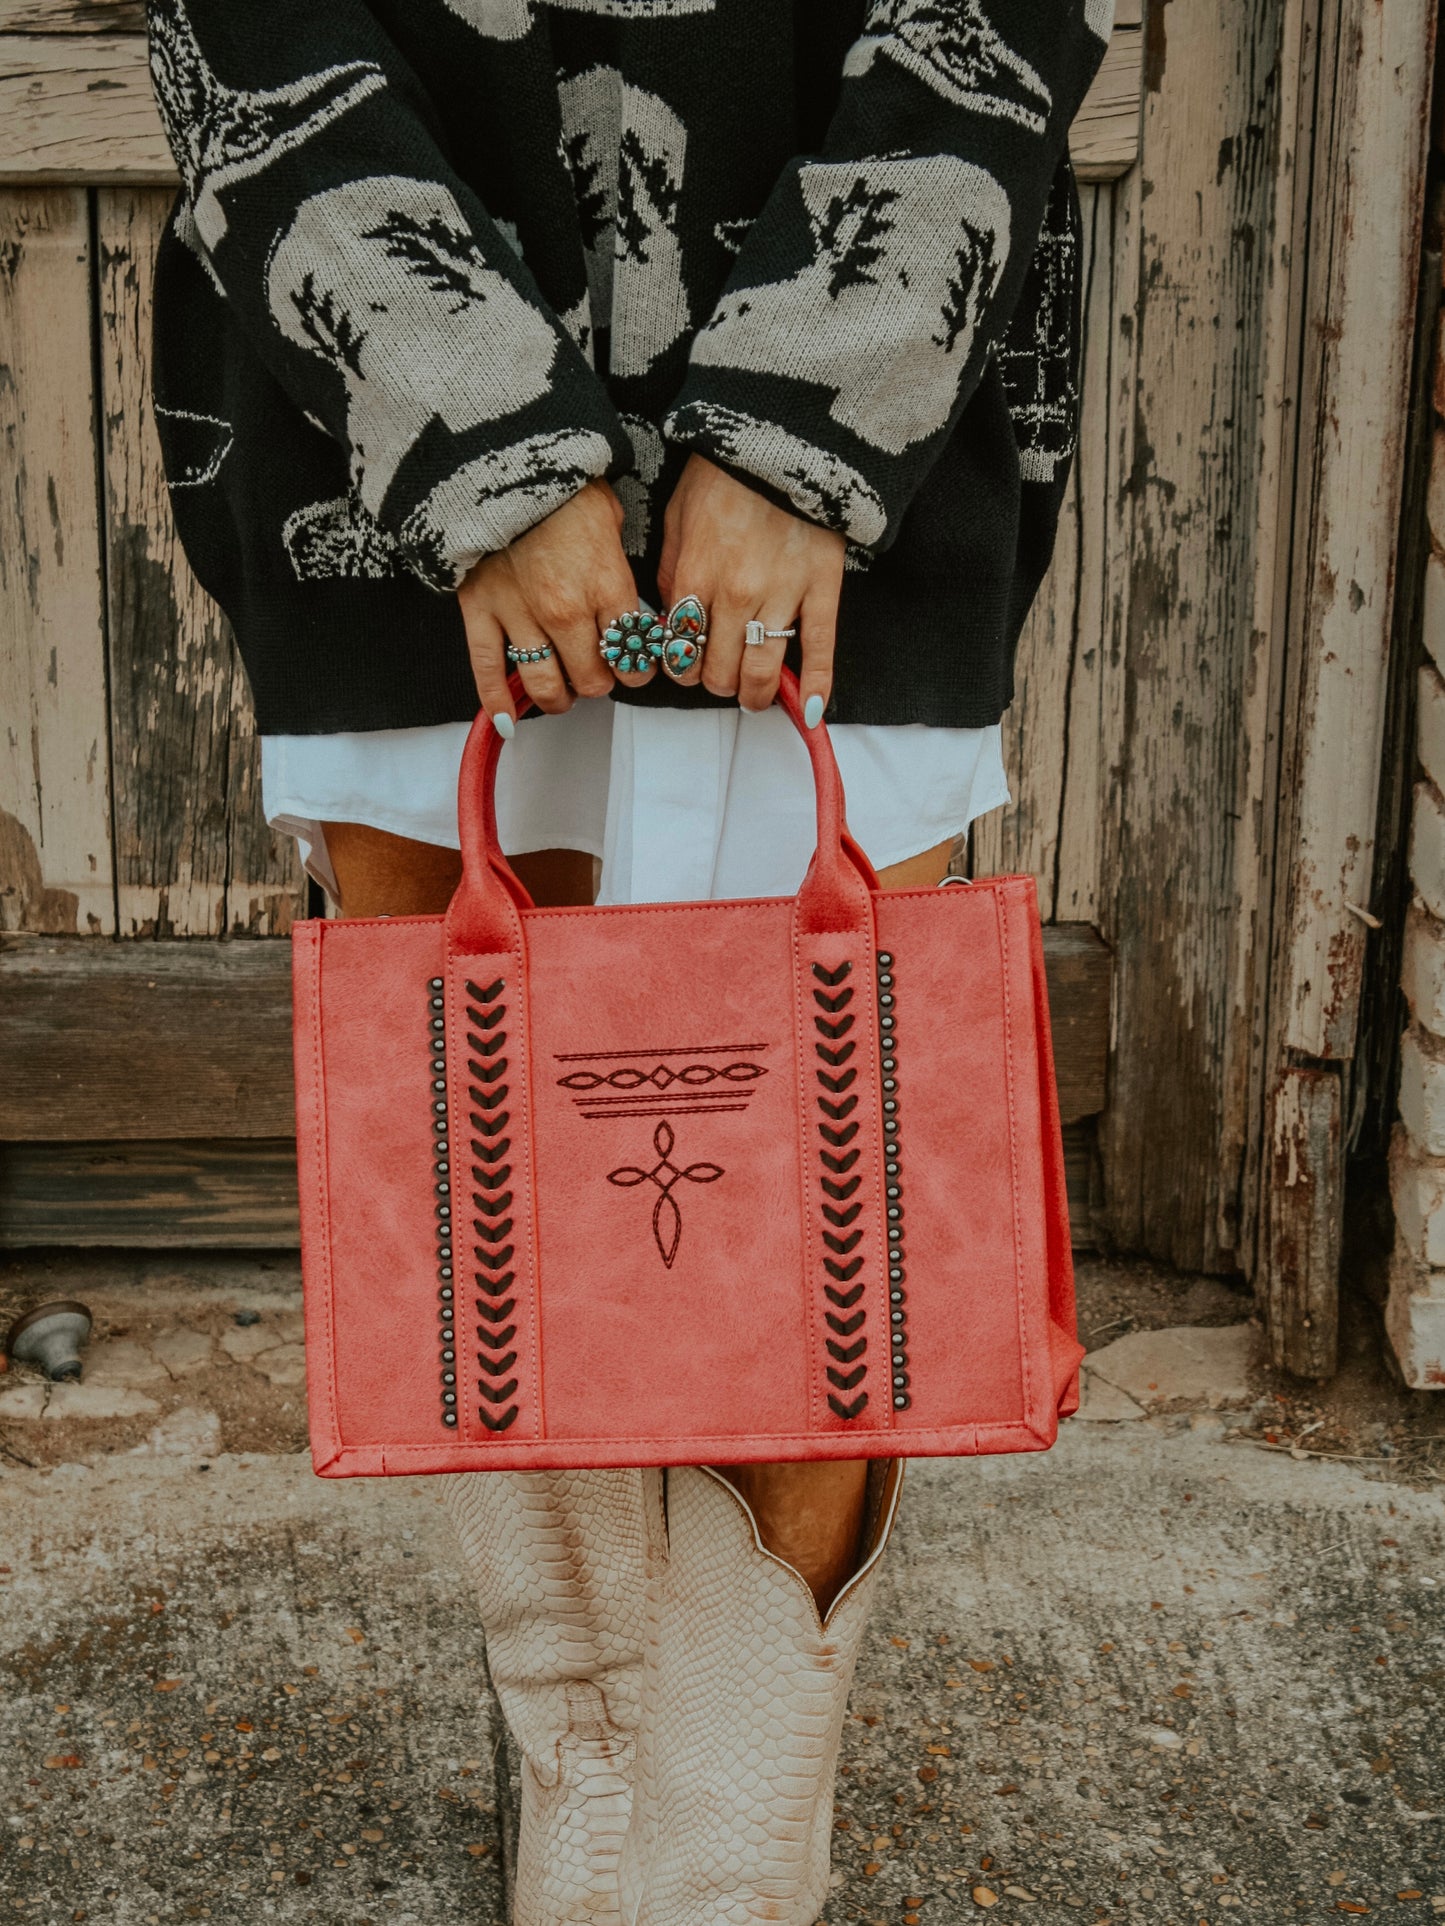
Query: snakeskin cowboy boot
[743,1694]
[557,1561]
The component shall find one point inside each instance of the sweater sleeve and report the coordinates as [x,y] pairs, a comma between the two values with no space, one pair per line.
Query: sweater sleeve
[880,276]
[369,279]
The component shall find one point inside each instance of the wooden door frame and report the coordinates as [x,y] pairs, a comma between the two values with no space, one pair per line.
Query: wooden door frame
[1357,81]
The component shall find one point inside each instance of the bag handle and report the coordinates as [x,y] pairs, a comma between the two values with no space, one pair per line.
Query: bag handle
[485,916]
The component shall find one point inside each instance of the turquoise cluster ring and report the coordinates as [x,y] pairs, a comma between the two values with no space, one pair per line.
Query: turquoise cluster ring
[634,642]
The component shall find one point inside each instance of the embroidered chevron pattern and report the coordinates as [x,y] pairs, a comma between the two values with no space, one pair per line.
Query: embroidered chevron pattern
[833,1020]
[492,1223]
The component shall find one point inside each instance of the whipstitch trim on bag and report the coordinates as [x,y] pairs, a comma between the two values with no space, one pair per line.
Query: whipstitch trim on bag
[441,1167]
[847,1343]
[492,1202]
[893,1185]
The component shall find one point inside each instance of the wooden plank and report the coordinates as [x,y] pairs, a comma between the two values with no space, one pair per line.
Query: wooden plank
[1304,1220]
[1205,182]
[55,865]
[1104,139]
[170,1040]
[235,1194]
[1246,1070]
[1365,247]
[163,1196]
[193,855]
[76,103]
[72,16]
[1022,838]
[79,107]
[1374,68]
[157,1039]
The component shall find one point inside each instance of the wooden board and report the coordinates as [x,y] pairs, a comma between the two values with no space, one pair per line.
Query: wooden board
[238,1194]
[193,855]
[77,106]
[169,1040]
[72,16]
[1067,712]
[235,1194]
[1170,901]
[1365,246]
[55,868]
[1104,139]
[1356,312]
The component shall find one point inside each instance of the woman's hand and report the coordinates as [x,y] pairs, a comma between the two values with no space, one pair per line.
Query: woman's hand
[559,584]
[746,559]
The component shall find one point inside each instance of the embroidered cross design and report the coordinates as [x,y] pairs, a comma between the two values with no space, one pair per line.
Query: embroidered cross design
[666,1217]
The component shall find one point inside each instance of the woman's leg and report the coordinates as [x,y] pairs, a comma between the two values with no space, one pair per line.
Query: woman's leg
[811,1515]
[556,1557]
[379,874]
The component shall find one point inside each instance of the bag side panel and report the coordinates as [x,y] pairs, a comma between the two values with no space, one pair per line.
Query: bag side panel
[1063,1318]
[380,1226]
[311,1183]
[974,1326]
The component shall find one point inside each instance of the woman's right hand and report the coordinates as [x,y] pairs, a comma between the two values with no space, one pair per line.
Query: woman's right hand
[560,583]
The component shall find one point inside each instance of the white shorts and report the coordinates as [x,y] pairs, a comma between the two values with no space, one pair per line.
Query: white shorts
[680,804]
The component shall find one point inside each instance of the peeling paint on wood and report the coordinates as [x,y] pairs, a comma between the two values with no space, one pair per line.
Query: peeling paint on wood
[1304,1222]
[1172,905]
[55,871]
[79,107]
[193,857]
[1365,250]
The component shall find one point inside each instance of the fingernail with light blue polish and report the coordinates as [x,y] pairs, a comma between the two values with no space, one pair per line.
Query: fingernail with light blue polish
[813,711]
[504,726]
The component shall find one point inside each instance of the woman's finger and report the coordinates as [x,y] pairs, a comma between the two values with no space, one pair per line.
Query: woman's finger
[819,622]
[486,645]
[762,662]
[723,656]
[581,658]
[541,676]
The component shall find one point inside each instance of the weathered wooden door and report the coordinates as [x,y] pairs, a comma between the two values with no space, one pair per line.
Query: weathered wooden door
[1189,680]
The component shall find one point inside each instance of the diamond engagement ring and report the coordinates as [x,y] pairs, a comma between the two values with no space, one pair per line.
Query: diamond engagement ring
[529,655]
[757,637]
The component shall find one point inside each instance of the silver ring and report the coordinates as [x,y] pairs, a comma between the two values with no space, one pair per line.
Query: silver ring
[529,655]
[686,625]
[755,636]
[632,642]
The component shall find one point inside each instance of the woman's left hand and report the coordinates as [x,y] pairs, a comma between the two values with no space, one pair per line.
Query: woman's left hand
[746,559]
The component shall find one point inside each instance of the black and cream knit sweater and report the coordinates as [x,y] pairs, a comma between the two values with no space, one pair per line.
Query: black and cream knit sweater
[435,263]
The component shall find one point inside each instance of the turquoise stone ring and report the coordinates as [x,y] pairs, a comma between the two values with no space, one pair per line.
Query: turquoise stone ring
[634,643]
[686,636]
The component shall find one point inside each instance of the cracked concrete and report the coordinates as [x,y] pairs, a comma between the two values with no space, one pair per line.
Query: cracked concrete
[1176,1671]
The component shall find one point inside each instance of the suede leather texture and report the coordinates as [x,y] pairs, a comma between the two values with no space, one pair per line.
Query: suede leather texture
[686,1183]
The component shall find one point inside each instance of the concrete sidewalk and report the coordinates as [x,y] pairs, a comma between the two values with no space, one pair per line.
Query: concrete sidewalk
[1167,1673]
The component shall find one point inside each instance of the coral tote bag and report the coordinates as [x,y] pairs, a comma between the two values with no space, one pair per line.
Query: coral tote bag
[681,1183]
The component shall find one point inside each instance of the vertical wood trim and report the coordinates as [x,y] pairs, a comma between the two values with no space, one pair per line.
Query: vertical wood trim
[1091,711]
[55,865]
[193,856]
[1023,838]
[1356,321]
[1304,1216]
[1211,99]
[1246,1062]
[1364,259]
